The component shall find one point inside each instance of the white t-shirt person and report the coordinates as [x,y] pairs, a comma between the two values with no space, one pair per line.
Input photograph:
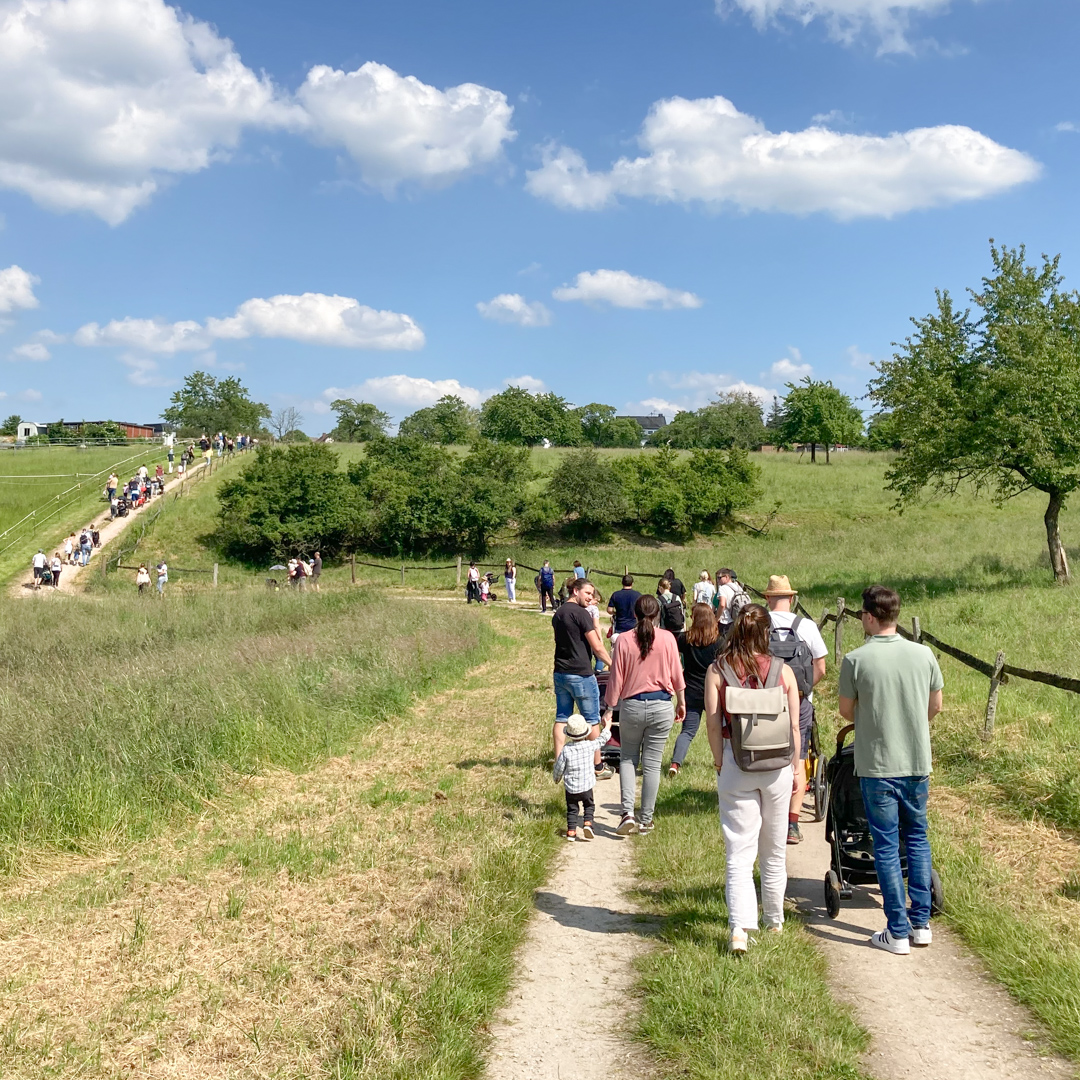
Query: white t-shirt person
[808,631]
[703,592]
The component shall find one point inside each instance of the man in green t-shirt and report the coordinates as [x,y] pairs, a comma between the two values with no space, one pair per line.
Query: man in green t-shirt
[890,689]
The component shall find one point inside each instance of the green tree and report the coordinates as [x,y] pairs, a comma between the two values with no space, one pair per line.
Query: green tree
[774,425]
[492,491]
[817,412]
[520,418]
[733,419]
[289,499]
[407,489]
[449,421]
[358,421]
[11,425]
[204,405]
[992,401]
[588,492]
[882,433]
[296,436]
[717,484]
[601,427]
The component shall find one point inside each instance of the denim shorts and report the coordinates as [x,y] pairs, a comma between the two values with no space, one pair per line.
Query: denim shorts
[580,690]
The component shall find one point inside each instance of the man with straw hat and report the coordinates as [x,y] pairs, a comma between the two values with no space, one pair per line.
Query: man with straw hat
[792,634]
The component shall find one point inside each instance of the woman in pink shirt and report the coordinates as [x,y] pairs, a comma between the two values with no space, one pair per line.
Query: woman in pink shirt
[645,675]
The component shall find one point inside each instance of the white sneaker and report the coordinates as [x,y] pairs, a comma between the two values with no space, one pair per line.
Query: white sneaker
[884,940]
[739,942]
[627,826]
[921,935]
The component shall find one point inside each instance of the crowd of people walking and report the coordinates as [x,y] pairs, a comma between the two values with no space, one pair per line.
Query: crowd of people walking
[749,669]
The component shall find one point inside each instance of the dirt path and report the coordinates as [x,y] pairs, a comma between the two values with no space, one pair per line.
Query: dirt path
[108,532]
[568,1011]
[934,1014]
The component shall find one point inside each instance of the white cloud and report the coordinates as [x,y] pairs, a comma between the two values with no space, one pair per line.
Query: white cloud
[698,388]
[526,382]
[104,101]
[397,128]
[146,335]
[1067,125]
[514,308]
[624,290]
[31,395]
[706,150]
[32,350]
[403,393]
[320,320]
[859,359]
[314,318]
[846,20]
[143,371]
[101,100]
[834,118]
[791,368]
[17,287]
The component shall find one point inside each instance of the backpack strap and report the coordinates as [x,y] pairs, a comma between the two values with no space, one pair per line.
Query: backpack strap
[795,625]
[776,668]
[727,673]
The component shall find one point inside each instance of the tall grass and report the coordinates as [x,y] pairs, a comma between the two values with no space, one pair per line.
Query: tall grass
[113,715]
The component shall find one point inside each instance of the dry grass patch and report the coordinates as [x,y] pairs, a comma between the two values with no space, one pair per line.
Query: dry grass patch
[333,921]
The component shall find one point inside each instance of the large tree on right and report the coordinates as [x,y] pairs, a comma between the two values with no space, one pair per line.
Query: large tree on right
[991,398]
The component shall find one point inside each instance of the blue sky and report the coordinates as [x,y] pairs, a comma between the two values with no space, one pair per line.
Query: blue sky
[629,202]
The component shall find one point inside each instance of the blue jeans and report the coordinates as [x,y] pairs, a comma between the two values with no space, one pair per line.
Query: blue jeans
[579,690]
[690,727]
[896,807]
[85,553]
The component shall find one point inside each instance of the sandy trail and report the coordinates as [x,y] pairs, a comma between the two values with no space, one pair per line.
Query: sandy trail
[935,1014]
[109,531]
[567,1015]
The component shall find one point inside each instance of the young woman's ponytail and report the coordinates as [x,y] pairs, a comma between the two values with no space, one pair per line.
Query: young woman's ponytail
[647,610]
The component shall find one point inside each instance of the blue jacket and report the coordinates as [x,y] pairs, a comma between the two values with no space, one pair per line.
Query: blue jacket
[547,577]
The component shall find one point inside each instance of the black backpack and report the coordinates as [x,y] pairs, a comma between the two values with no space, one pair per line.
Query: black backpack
[672,616]
[785,643]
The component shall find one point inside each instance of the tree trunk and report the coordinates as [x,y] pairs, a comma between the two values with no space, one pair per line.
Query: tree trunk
[813,453]
[827,462]
[1058,560]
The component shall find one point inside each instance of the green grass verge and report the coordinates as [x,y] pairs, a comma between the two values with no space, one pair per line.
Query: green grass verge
[767,1016]
[115,716]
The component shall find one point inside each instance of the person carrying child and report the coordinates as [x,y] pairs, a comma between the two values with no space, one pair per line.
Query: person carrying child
[574,767]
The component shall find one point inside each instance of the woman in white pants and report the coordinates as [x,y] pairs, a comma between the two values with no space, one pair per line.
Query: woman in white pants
[510,577]
[753,805]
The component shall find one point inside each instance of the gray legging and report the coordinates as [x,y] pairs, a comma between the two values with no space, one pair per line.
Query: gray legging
[643,730]
[690,727]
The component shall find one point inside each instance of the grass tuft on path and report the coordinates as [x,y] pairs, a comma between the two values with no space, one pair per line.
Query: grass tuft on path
[767,1016]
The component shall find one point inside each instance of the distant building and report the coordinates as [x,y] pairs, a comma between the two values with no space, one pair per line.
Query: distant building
[28,429]
[649,425]
[325,437]
[133,431]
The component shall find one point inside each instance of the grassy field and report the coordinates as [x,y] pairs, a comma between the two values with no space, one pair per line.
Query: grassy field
[41,478]
[352,916]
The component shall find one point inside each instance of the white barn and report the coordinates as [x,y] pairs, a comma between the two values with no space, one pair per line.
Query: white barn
[28,429]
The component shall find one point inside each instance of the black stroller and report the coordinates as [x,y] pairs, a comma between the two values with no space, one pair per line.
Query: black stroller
[848,835]
[611,752]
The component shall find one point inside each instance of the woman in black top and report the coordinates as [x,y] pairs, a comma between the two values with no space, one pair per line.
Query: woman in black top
[698,646]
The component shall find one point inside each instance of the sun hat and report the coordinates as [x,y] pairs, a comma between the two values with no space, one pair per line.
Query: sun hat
[577,727]
[780,586]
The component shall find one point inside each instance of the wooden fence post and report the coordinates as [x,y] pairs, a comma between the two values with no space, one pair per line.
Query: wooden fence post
[991,702]
[838,634]
[916,630]
[215,575]
[459,571]
[352,566]
[403,574]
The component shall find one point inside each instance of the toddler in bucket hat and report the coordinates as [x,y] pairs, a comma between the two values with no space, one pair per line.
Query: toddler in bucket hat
[574,767]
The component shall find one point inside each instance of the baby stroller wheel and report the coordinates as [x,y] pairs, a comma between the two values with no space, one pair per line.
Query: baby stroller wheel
[937,894]
[820,785]
[832,894]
